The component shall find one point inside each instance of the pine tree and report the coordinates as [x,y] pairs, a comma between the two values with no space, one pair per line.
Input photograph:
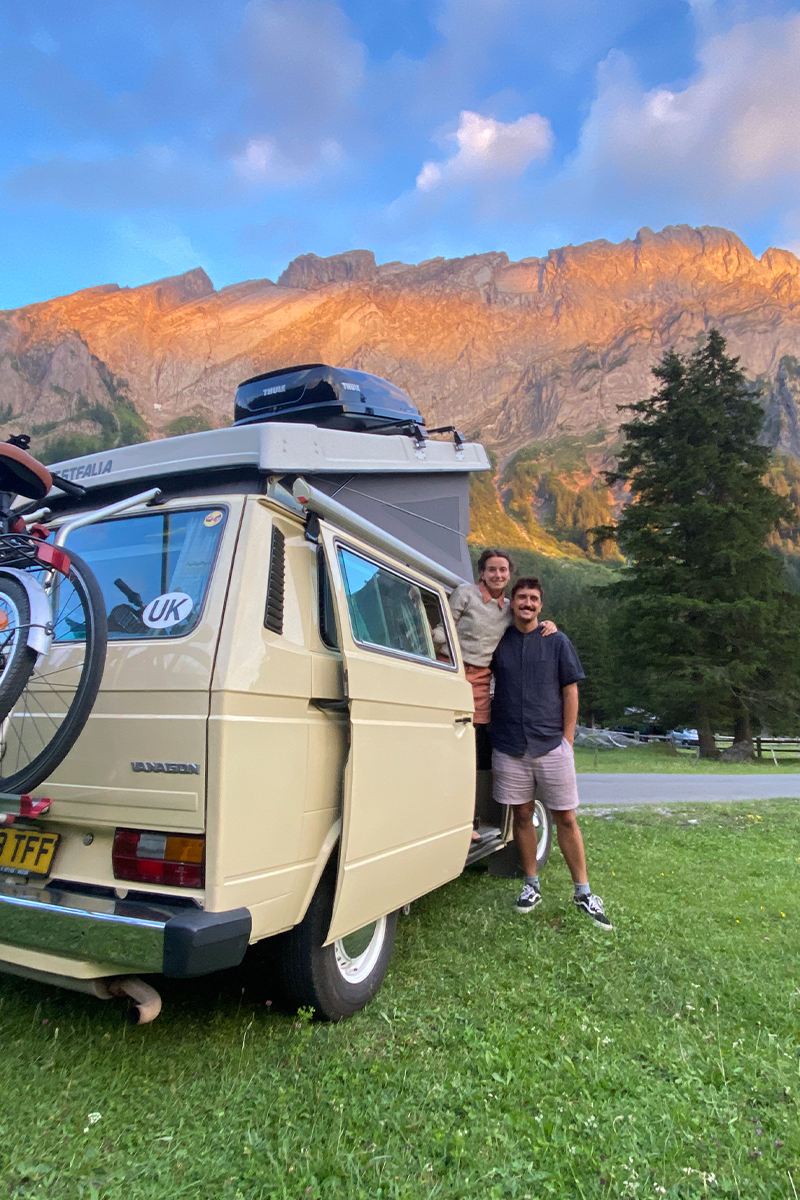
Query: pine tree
[706,623]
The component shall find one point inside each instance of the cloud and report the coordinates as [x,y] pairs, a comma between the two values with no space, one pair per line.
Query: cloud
[304,67]
[266,104]
[489,150]
[730,136]
[262,162]
[162,242]
[157,174]
[542,49]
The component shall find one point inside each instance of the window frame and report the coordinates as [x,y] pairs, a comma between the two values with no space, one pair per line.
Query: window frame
[325,590]
[403,655]
[162,510]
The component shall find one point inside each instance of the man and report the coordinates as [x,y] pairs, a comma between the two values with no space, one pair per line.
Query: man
[482,615]
[534,711]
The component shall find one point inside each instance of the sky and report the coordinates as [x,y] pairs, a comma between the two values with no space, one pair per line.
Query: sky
[143,138]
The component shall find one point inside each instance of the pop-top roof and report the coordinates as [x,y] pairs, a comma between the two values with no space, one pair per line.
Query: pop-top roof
[273,448]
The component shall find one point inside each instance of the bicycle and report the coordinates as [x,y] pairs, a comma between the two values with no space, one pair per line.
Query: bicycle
[53,629]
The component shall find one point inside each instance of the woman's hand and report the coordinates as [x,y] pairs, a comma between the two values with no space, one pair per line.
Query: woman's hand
[549,627]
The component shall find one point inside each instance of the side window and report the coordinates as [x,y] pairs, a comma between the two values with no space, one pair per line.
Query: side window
[392,612]
[441,640]
[327,615]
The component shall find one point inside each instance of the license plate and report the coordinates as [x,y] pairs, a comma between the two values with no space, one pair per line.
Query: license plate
[25,853]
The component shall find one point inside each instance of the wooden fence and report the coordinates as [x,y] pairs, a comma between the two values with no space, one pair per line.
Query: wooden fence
[766,747]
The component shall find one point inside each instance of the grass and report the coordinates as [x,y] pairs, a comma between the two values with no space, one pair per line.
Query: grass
[505,1057]
[653,757]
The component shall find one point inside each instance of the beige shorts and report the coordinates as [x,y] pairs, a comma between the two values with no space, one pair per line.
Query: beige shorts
[551,778]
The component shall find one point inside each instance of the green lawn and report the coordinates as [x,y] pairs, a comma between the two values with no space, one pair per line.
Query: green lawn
[506,1056]
[653,756]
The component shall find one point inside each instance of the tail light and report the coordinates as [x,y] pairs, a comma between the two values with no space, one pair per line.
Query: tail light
[142,856]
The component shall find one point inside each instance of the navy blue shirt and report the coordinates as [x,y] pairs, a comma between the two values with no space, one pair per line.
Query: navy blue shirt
[529,672]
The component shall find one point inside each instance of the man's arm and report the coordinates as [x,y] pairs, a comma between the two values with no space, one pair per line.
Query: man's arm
[569,700]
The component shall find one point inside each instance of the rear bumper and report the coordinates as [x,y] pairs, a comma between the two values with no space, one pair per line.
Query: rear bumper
[151,938]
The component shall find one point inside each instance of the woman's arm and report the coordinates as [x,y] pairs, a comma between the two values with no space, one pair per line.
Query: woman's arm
[458,600]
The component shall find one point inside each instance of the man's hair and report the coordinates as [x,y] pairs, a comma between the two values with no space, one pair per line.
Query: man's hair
[530,582]
[487,554]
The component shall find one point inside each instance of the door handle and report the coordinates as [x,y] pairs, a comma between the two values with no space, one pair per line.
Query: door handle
[327,705]
[462,720]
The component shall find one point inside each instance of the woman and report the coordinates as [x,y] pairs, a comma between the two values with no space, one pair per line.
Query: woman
[482,615]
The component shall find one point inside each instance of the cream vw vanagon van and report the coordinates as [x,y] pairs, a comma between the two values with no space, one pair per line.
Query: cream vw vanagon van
[279,750]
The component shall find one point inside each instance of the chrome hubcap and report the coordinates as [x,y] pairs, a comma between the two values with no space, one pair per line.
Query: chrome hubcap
[542,830]
[357,954]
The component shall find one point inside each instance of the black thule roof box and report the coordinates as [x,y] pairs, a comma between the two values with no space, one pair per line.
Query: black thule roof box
[332,397]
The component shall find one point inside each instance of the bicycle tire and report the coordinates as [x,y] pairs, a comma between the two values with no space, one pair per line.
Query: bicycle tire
[79,695]
[17,659]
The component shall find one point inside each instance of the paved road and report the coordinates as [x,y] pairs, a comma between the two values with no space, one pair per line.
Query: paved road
[612,790]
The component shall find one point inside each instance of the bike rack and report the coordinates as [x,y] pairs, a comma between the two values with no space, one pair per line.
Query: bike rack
[12,806]
[100,514]
[38,517]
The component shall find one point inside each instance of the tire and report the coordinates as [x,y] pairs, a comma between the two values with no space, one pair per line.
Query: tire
[543,820]
[17,659]
[337,980]
[56,700]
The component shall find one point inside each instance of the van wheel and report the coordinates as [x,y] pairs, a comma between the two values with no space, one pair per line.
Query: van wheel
[543,824]
[340,979]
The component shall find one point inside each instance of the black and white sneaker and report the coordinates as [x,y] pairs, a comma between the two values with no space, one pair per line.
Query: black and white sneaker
[529,897]
[593,907]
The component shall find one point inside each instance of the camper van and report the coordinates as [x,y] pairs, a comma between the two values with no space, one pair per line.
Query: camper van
[280,752]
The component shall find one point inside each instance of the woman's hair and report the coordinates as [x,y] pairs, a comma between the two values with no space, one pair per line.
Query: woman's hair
[487,554]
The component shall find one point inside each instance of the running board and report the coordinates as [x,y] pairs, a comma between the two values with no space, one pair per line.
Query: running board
[485,847]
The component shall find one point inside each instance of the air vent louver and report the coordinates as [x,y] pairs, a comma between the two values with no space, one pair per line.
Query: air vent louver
[273,616]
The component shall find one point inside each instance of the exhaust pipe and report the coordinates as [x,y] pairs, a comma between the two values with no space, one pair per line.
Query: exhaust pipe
[146,998]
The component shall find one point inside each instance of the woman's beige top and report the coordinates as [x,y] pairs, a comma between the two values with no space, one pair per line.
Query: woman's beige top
[480,621]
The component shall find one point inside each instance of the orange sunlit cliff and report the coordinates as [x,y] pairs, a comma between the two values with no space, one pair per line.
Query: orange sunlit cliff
[533,356]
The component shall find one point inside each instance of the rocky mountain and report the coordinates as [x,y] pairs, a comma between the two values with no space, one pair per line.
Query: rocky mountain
[533,357]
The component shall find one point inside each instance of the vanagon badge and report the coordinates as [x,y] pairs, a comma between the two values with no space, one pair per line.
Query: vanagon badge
[167,768]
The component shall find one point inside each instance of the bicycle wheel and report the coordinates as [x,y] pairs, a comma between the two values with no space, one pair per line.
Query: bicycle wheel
[17,660]
[53,705]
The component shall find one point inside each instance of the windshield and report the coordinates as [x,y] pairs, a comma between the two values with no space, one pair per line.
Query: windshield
[153,571]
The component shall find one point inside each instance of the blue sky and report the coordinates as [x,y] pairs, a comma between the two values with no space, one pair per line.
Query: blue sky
[141,138]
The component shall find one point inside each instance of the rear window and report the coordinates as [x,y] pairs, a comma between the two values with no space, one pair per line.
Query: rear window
[153,570]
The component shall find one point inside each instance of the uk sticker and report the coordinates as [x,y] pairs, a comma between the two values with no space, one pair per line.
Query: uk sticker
[213,518]
[167,610]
